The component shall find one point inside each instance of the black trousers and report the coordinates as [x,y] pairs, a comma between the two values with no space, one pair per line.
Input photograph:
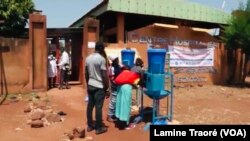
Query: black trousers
[96,99]
[52,82]
[64,78]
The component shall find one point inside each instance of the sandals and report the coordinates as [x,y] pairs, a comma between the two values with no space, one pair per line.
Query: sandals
[130,126]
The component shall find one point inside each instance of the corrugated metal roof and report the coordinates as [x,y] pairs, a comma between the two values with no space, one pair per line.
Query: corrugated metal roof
[96,11]
[179,9]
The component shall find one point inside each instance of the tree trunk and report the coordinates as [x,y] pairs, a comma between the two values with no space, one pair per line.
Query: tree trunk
[238,67]
[231,57]
[241,71]
[245,69]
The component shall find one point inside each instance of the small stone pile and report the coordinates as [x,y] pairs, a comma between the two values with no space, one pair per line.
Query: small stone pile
[77,134]
[40,115]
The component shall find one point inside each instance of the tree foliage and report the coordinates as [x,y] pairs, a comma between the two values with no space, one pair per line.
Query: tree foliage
[15,14]
[237,33]
[237,36]
[248,6]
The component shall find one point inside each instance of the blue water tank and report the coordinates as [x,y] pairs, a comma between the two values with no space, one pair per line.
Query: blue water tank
[156,61]
[155,82]
[155,85]
[128,57]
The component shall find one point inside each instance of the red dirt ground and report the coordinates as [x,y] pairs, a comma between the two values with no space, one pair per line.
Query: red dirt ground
[192,105]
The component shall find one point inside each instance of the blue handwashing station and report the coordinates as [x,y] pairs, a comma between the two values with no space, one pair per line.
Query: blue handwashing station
[128,57]
[159,86]
[159,82]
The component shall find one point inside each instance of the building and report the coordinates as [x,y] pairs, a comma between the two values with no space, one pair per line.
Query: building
[184,28]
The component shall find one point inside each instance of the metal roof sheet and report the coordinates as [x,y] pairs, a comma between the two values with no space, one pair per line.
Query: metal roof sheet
[179,9]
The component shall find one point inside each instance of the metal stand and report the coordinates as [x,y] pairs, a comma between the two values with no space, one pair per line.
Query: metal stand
[156,117]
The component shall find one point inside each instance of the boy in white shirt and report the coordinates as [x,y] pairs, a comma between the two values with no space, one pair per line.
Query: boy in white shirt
[52,71]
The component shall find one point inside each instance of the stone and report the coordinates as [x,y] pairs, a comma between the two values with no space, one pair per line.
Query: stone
[174,122]
[200,85]
[48,111]
[42,106]
[45,122]
[79,132]
[36,124]
[69,135]
[13,99]
[37,115]
[18,129]
[88,139]
[53,118]
[61,113]
[27,109]
[29,122]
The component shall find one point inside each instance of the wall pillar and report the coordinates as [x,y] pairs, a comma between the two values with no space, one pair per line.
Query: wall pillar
[39,51]
[91,32]
[76,52]
[120,29]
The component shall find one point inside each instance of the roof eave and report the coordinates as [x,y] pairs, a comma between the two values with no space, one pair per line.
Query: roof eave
[96,11]
[186,11]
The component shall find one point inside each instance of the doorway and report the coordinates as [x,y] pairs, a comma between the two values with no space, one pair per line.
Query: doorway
[71,39]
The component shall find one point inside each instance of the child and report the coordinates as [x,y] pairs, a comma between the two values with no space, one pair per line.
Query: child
[114,71]
[138,68]
[52,71]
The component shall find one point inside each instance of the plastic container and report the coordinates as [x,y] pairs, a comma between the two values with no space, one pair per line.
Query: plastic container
[160,122]
[156,61]
[155,82]
[128,57]
[157,94]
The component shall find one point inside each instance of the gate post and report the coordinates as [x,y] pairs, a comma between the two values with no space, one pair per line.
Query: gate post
[38,50]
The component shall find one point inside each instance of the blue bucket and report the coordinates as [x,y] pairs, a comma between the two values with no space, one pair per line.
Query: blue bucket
[156,61]
[160,122]
[128,57]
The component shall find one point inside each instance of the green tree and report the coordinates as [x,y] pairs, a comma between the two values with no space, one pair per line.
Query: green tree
[15,14]
[248,5]
[237,36]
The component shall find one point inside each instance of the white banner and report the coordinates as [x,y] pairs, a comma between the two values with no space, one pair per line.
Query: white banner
[191,57]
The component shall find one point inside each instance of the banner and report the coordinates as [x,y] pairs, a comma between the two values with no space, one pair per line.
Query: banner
[191,57]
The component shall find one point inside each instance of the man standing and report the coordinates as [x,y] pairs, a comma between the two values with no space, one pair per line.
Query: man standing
[96,76]
[64,67]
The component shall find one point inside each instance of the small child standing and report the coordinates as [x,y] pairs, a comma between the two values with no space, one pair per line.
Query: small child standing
[114,71]
[52,71]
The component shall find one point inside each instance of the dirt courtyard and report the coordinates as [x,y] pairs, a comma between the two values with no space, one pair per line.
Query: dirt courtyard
[192,105]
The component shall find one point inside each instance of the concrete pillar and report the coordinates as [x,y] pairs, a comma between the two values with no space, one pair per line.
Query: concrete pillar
[76,52]
[91,32]
[39,51]
[120,29]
